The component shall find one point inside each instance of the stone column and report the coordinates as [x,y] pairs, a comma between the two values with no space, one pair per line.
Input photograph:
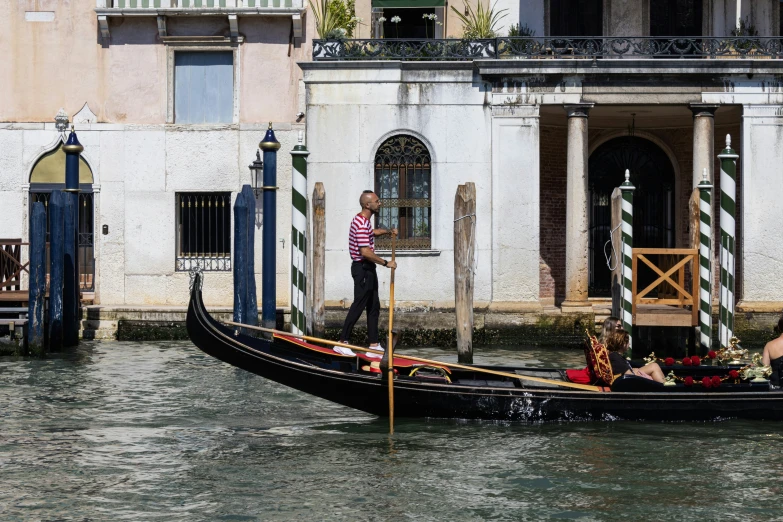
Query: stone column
[703,140]
[577,222]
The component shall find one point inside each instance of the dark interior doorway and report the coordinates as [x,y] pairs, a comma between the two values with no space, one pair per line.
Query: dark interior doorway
[652,174]
[676,18]
[576,18]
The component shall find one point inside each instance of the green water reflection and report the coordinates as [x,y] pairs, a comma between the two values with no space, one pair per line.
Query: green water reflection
[128,431]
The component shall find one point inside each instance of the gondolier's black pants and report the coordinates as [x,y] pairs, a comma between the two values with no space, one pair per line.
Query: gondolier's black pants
[365,297]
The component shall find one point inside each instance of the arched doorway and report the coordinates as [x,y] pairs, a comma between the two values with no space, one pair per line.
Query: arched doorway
[47,175]
[652,174]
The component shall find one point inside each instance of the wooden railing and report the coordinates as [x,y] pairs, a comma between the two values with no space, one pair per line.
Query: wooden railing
[671,286]
[11,266]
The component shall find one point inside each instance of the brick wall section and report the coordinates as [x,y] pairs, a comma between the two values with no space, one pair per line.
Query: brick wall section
[553,212]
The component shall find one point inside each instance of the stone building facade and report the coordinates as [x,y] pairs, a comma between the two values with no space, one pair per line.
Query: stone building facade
[545,132]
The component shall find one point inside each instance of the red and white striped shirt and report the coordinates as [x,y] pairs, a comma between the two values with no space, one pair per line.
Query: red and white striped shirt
[360,235]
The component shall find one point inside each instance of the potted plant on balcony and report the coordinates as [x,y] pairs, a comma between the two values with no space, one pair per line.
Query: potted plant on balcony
[335,20]
[745,40]
[478,24]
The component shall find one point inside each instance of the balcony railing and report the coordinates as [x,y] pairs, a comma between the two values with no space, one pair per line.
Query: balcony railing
[200,4]
[554,47]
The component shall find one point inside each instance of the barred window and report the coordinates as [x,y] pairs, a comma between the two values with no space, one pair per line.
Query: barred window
[402,182]
[204,231]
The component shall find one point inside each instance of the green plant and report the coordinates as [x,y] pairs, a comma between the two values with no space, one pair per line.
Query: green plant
[479,22]
[742,30]
[517,30]
[334,19]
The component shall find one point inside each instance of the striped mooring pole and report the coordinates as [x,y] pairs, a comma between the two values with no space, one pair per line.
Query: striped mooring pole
[705,263]
[626,235]
[299,238]
[728,208]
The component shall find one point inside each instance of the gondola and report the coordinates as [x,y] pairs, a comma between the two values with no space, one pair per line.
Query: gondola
[442,391]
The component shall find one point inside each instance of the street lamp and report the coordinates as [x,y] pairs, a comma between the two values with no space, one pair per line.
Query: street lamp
[257,176]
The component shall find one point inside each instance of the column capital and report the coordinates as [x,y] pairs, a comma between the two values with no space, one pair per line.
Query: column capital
[703,109]
[578,110]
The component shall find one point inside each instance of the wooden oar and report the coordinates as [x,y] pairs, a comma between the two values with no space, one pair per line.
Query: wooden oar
[432,362]
[390,345]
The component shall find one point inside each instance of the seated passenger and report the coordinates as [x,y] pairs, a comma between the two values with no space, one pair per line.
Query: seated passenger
[617,345]
[611,324]
[773,356]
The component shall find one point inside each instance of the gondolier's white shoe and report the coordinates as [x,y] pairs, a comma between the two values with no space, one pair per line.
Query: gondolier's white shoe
[344,351]
[376,355]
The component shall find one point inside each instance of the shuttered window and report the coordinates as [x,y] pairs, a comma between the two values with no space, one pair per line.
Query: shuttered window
[203,87]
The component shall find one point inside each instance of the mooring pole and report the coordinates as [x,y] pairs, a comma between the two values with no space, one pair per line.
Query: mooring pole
[299,237]
[73,150]
[627,189]
[56,273]
[240,259]
[705,263]
[728,210]
[35,305]
[269,145]
[319,259]
[464,253]
[250,260]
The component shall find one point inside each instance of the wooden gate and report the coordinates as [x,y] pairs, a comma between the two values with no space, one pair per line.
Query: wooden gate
[668,308]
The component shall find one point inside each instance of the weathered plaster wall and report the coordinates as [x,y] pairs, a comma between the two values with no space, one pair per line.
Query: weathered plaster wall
[138,169]
[65,63]
[762,160]
[350,114]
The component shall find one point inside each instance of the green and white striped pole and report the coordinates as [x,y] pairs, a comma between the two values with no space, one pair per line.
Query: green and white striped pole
[705,263]
[627,252]
[728,208]
[299,238]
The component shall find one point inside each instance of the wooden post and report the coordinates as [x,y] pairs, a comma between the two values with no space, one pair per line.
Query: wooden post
[35,315]
[56,270]
[251,316]
[617,252]
[464,250]
[319,259]
[240,259]
[71,291]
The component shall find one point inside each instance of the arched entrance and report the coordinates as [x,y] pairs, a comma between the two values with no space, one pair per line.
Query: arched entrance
[47,175]
[652,174]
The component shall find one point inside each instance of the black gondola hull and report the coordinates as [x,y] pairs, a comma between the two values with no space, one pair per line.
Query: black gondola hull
[337,380]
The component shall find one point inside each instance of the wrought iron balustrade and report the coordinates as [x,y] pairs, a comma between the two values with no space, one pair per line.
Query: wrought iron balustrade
[552,47]
[200,4]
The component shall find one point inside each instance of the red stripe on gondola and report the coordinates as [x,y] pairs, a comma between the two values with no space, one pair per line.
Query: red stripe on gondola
[400,362]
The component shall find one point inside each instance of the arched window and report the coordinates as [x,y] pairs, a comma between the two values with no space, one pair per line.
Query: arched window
[402,182]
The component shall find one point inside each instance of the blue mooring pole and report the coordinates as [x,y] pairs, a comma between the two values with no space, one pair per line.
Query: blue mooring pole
[240,259]
[35,305]
[73,150]
[250,264]
[56,210]
[269,145]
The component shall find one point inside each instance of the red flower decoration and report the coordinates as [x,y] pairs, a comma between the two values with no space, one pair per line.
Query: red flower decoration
[706,382]
[696,360]
[688,381]
[734,374]
[711,354]
[687,361]
[669,361]
[715,381]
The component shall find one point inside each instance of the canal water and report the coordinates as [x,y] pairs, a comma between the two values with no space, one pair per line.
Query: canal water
[132,431]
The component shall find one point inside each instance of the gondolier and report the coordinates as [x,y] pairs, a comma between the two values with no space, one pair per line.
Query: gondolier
[361,246]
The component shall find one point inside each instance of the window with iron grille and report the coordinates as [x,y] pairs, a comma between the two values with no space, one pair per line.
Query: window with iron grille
[402,182]
[204,231]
